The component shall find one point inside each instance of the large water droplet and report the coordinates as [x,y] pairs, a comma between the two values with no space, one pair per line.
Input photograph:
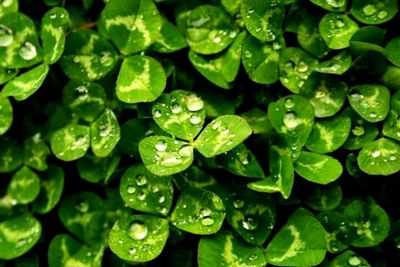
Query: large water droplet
[141,180]
[170,161]
[392,157]
[354,261]
[253,257]
[161,199]
[28,51]
[195,119]
[249,223]
[131,190]
[375,153]
[290,120]
[176,108]
[217,39]
[186,151]
[157,113]
[382,14]
[340,23]
[161,145]
[106,58]
[6,36]
[369,10]
[373,115]
[83,206]
[137,230]
[194,103]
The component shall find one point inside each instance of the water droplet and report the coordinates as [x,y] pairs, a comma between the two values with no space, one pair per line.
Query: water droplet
[270,226]
[141,196]
[194,103]
[28,51]
[373,115]
[195,119]
[302,66]
[289,103]
[141,180]
[186,151]
[271,36]
[161,199]
[6,36]
[382,14]
[82,206]
[207,221]
[247,54]
[392,157]
[358,130]
[106,58]
[253,257]
[176,108]
[170,161]
[137,230]
[52,15]
[238,203]
[157,113]
[77,60]
[250,10]
[375,153]
[131,190]
[285,80]
[354,261]
[369,10]
[204,212]
[132,251]
[249,223]
[276,46]
[340,23]
[217,39]
[232,34]
[290,120]
[7,3]
[244,158]
[300,83]
[82,91]
[161,145]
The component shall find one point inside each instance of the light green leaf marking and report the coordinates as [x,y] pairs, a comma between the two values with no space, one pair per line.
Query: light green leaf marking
[296,245]
[6,114]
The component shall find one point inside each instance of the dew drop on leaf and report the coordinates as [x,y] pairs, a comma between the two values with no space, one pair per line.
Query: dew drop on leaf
[131,190]
[137,230]
[289,103]
[28,51]
[106,59]
[376,154]
[290,120]
[83,206]
[186,151]
[195,119]
[194,103]
[369,10]
[6,36]
[170,161]
[253,257]
[249,223]
[354,261]
[176,108]
[161,145]
[302,66]
[141,180]
[157,113]
[358,130]
[382,14]
[132,251]
[238,203]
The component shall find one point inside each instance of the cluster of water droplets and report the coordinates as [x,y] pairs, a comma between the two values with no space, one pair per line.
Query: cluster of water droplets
[378,154]
[79,142]
[290,119]
[377,10]
[27,50]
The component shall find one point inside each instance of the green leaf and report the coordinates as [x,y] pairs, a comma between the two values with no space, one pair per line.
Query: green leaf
[198,211]
[221,135]
[370,222]
[339,232]
[171,39]
[18,235]
[83,215]
[98,170]
[241,161]
[180,113]
[335,5]
[317,168]
[141,79]
[36,152]
[362,132]
[51,187]
[65,251]
[209,29]
[301,242]
[6,114]
[369,38]
[324,198]
[295,65]
[258,121]
[337,30]
[7,74]
[71,142]
[87,56]
[349,258]
[329,135]
[391,125]
[392,50]
[193,177]
[225,250]
[165,156]
[374,12]
[138,238]
[54,24]
[232,6]
[263,19]
[24,85]
[104,133]
[309,37]
[10,155]
[380,157]
[131,25]
[260,60]
[370,101]
[338,64]
[326,93]
[8,7]
[145,192]
[292,116]
[19,45]
[391,77]
[85,99]
[24,186]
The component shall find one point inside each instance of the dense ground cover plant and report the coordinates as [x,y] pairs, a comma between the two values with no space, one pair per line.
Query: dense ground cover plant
[199,133]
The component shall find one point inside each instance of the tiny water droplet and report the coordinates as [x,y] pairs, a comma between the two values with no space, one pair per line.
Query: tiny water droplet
[217,39]
[354,261]
[161,199]
[131,190]
[176,108]
[106,58]
[253,257]
[82,206]
[358,130]
[132,251]
[340,23]
[375,153]
[238,203]
[373,115]
[369,10]
[141,196]
[289,103]
[141,180]
[161,145]
[249,223]
[194,103]
[28,51]
[276,46]
[52,15]
[137,230]
[207,221]
[247,54]
[250,10]
[6,36]
[302,66]
[157,113]
[244,158]
[382,14]
[195,119]
[232,34]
